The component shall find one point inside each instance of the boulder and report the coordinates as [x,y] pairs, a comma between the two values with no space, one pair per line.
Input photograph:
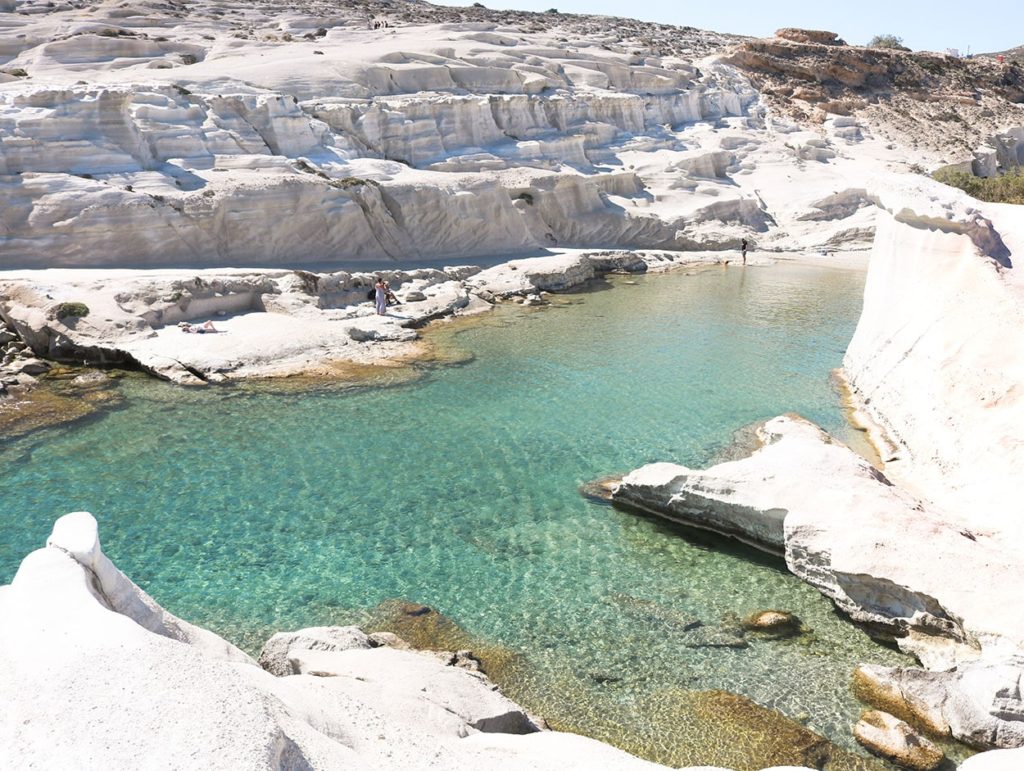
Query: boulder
[33,366]
[388,639]
[815,36]
[460,272]
[277,656]
[995,760]
[980,702]
[411,678]
[891,738]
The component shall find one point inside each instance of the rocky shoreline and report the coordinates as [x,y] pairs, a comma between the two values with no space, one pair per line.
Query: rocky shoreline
[147,683]
[276,323]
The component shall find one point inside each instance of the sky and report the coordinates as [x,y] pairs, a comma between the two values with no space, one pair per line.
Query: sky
[981,26]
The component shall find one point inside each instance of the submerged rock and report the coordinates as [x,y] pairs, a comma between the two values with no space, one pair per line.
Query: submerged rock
[669,619]
[775,623]
[600,489]
[891,738]
[744,734]
[423,628]
[716,637]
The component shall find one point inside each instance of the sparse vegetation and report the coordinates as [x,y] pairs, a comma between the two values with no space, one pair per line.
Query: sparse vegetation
[893,42]
[70,310]
[1009,188]
[350,182]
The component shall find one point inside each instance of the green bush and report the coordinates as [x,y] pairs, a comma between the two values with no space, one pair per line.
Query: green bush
[1008,188]
[350,182]
[71,310]
[887,41]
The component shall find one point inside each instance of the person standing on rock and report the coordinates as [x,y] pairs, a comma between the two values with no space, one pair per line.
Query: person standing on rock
[743,250]
[381,296]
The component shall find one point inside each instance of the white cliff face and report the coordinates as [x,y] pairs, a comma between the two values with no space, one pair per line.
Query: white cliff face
[937,359]
[136,687]
[141,137]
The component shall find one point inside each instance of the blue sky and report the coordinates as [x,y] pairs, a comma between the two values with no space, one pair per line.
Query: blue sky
[985,25]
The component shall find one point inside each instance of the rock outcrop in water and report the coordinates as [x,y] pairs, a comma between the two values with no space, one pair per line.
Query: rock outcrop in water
[885,558]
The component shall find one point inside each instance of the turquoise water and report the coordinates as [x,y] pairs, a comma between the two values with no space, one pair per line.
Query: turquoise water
[248,511]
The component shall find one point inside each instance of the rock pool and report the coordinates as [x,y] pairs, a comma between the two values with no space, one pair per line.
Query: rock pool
[248,510]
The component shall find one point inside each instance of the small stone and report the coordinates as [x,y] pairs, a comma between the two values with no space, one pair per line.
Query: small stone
[890,738]
[413,296]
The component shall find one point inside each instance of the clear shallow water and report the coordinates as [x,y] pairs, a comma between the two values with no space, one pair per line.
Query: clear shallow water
[250,512]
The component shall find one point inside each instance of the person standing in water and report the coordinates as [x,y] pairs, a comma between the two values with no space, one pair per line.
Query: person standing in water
[743,250]
[381,296]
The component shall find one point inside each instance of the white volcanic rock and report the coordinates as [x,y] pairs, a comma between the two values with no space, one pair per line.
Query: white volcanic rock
[410,683]
[980,702]
[221,139]
[136,687]
[995,760]
[846,530]
[276,656]
[936,360]
[274,322]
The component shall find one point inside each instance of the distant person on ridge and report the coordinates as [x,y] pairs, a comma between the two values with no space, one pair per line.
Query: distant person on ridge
[743,250]
[381,297]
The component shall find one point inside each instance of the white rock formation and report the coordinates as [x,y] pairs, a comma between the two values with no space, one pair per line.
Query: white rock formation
[937,359]
[274,322]
[145,137]
[996,760]
[135,687]
[881,555]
